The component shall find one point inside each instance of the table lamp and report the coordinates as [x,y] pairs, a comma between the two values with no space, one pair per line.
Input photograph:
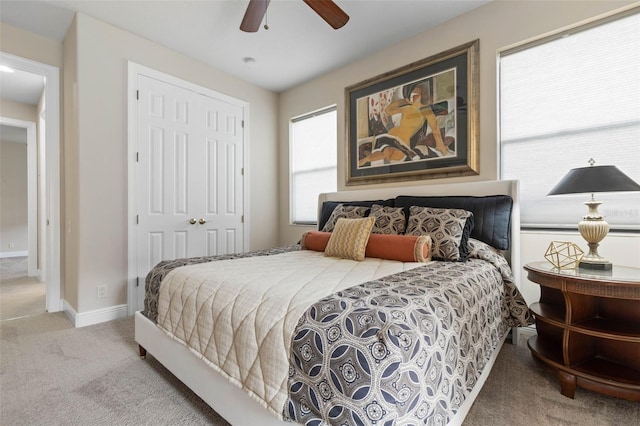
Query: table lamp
[593,227]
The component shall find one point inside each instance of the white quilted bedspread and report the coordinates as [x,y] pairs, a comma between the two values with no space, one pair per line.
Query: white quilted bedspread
[239,314]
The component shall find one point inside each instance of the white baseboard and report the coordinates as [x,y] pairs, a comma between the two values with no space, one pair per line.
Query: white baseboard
[6,254]
[96,316]
[524,333]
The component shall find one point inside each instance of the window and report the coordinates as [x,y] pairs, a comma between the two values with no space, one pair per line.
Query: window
[314,156]
[564,100]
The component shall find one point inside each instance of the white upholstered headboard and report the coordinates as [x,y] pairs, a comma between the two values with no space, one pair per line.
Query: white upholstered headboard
[477,189]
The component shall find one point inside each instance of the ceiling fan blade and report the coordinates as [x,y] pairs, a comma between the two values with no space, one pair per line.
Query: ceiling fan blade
[329,11]
[254,15]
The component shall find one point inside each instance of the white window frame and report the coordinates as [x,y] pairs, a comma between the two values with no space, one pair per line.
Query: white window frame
[292,173]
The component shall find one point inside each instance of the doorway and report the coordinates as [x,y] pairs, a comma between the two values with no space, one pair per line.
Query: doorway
[47,222]
[18,220]
[21,291]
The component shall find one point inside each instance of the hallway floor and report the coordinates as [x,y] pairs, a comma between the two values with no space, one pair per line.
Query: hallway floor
[20,295]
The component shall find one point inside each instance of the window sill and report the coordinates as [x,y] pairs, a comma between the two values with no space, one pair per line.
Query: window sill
[618,229]
[304,224]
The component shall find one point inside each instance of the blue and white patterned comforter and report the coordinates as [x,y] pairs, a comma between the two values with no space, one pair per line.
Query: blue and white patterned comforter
[403,349]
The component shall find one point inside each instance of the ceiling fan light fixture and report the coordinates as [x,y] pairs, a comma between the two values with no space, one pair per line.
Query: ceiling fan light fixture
[253,15]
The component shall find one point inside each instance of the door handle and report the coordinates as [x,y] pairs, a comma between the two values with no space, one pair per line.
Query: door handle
[192,221]
[202,221]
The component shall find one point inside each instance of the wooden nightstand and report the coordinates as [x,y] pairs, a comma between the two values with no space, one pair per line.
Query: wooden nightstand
[588,326]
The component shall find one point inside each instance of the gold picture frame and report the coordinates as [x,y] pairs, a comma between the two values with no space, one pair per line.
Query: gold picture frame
[390,119]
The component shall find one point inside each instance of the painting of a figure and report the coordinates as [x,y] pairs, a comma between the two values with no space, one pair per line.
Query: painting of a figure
[419,121]
[412,122]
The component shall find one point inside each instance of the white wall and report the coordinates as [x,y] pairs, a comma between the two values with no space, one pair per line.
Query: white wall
[17,110]
[13,190]
[25,44]
[70,154]
[497,25]
[96,155]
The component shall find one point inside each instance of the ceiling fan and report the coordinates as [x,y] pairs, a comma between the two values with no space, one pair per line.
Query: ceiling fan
[327,9]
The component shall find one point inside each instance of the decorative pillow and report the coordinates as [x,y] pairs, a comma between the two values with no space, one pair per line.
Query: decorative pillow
[449,230]
[349,238]
[328,206]
[404,248]
[389,220]
[491,214]
[314,240]
[347,212]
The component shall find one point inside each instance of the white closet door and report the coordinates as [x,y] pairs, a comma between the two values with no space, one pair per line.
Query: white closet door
[223,153]
[189,175]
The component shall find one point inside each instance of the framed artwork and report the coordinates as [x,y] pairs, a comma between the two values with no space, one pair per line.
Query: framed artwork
[416,122]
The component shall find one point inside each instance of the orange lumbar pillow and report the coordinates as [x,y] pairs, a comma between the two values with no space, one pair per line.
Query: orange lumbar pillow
[315,240]
[404,248]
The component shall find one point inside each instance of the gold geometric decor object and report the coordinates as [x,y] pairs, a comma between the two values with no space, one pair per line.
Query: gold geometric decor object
[563,254]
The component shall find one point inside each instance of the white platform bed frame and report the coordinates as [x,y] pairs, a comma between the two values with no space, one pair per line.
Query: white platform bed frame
[233,403]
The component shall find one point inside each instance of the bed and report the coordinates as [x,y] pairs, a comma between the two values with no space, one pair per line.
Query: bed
[305,333]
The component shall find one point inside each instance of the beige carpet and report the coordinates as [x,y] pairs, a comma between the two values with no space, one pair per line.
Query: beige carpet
[20,295]
[521,391]
[53,374]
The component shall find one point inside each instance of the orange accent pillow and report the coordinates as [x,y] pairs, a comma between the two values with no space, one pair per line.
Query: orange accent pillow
[315,240]
[404,248]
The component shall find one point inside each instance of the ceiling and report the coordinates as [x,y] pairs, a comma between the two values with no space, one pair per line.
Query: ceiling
[298,46]
[21,86]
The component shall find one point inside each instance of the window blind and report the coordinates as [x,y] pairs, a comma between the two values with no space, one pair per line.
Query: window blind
[566,100]
[313,165]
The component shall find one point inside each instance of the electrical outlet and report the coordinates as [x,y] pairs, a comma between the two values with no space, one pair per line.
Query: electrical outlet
[12,245]
[102,291]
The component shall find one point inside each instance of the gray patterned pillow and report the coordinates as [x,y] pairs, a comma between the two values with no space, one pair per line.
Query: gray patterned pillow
[449,230]
[389,220]
[347,212]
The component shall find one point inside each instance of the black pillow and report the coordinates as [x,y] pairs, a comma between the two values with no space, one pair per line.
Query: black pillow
[492,214]
[328,207]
